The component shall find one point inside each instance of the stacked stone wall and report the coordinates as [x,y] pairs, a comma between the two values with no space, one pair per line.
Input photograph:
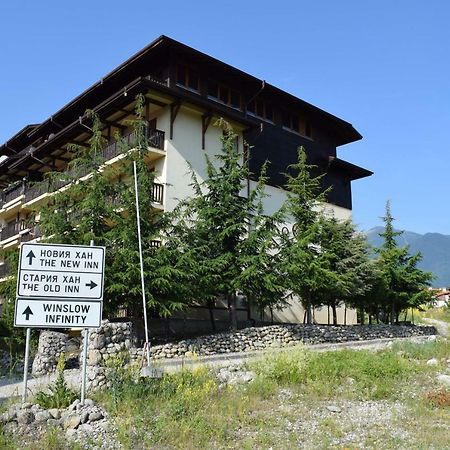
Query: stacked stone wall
[51,345]
[276,336]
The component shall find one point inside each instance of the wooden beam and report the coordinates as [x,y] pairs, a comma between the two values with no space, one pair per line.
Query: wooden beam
[174,109]
[81,144]
[206,120]
[113,124]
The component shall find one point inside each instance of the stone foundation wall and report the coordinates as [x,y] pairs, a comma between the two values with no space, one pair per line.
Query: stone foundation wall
[51,345]
[275,336]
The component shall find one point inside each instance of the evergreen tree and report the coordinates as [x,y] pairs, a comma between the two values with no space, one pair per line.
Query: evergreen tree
[347,254]
[224,239]
[100,206]
[165,277]
[405,285]
[306,268]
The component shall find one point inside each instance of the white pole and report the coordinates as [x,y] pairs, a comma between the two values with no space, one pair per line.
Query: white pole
[85,353]
[25,365]
[84,369]
[144,303]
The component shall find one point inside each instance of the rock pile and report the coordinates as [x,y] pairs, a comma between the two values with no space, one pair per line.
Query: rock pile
[51,345]
[87,423]
[234,375]
[251,339]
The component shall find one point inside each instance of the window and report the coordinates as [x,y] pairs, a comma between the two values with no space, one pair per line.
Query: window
[187,77]
[295,123]
[261,109]
[224,94]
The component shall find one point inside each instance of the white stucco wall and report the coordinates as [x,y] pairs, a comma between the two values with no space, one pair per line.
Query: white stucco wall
[173,171]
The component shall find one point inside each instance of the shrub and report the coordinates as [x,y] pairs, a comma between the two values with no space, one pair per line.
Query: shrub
[59,395]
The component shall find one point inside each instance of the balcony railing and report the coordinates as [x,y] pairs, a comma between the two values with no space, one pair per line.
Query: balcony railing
[33,233]
[154,137]
[5,270]
[155,140]
[11,229]
[158,193]
[36,190]
[11,193]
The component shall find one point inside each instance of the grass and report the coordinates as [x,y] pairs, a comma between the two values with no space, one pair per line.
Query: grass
[442,314]
[285,406]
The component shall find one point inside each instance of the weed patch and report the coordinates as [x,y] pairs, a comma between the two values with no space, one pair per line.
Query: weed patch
[354,374]
[440,399]
[424,351]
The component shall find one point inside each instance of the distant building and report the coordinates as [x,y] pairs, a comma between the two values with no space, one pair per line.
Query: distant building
[185,91]
[441,297]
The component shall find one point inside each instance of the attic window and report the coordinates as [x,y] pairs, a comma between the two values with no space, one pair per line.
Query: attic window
[299,125]
[224,94]
[260,108]
[187,77]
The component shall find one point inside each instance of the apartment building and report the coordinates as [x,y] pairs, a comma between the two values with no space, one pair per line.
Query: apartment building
[185,92]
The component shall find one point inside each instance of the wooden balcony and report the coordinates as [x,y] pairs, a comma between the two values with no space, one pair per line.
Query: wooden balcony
[11,193]
[30,191]
[5,270]
[33,232]
[154,137]
[11,229]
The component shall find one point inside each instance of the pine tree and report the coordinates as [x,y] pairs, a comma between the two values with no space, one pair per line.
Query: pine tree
[307,270]
[98,203]
[347,254]
[225,241]
[405,284]
[165,277]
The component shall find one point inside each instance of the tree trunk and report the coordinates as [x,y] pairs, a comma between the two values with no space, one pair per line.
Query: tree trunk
[211,315]
[334,309]
[370,319]
[271,314]
[345,314]
[309,317]
[232,310]
[362,319]
[328,307]
[393,314]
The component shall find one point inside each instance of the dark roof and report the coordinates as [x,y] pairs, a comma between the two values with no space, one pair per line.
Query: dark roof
[137,65]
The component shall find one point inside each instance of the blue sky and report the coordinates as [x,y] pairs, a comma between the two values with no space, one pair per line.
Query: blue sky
[384,66]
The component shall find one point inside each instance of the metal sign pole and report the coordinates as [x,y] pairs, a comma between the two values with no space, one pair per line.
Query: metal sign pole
[25,365]
[144,303]
[84,368]
[85,352]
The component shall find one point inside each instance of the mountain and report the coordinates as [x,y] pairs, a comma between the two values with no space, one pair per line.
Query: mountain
[434,247]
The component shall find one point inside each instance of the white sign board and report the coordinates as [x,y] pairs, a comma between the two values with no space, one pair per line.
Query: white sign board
[61,271]
[52,313]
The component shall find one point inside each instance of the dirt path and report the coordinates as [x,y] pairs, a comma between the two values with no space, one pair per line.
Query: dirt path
[442,327]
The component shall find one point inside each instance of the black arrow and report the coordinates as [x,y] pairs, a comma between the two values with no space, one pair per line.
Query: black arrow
[91,284]
[27,313]
[30,255]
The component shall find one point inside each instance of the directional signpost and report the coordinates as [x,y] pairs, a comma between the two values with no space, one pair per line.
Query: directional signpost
[59,286]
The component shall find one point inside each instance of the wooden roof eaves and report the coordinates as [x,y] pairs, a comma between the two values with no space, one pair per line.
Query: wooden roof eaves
[355,172]
[62,135]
